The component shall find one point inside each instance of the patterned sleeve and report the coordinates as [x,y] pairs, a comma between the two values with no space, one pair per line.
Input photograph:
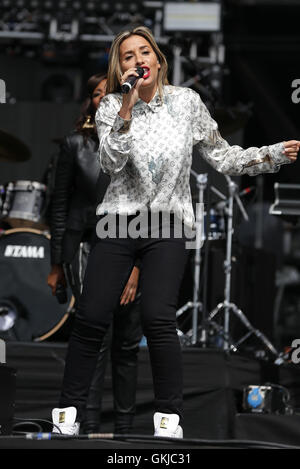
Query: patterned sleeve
[114,135]
[227,159]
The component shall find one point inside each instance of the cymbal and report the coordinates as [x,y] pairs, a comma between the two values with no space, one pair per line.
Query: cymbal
[12,149]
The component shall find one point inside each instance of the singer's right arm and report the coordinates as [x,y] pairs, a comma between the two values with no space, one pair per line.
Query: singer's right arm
[125,112]
[113,129]
[129,100]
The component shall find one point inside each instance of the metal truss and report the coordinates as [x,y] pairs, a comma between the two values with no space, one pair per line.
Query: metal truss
[93,24]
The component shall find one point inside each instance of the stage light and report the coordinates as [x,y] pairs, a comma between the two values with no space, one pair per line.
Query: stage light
[183,16]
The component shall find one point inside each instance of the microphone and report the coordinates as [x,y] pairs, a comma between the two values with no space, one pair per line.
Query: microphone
[221,205]
[130,82]
[246,191]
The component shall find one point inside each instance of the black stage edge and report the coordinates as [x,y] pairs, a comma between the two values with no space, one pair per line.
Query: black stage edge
[213,387]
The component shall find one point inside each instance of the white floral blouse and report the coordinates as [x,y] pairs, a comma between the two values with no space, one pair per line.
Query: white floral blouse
[149,157]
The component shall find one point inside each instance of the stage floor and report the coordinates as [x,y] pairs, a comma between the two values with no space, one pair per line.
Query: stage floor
[213,388]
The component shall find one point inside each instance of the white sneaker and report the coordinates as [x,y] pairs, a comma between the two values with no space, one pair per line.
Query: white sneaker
[167,425]
[64,421]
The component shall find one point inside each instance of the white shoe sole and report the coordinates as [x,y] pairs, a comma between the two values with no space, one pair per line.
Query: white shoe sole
[177,434]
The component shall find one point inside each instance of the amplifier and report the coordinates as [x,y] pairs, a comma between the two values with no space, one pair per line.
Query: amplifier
[7,398]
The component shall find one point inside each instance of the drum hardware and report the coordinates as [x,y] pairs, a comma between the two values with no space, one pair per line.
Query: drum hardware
[12,149]
[8,315]
[24,204]
[195,305]
[210,330]
[287,200]
[226,305]
[216,225]
[210,226]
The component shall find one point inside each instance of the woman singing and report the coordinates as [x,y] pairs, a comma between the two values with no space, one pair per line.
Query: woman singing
[146,142]
[79,187]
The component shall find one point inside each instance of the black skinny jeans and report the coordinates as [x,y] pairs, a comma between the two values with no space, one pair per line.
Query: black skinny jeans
[121,342]
[110,263]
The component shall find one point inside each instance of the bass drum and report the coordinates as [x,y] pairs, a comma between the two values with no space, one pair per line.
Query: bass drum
[28,310]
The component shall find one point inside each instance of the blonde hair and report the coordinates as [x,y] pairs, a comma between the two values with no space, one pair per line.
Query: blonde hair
[114,69]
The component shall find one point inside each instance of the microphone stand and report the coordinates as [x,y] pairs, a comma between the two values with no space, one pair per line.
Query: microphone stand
[205,325]
[226,304]
[196,305]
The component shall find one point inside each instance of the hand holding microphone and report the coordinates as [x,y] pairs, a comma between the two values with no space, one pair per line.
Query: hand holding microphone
[131,80]
[130,90]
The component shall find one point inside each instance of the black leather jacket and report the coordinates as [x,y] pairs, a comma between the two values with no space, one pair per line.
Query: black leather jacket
[79,187]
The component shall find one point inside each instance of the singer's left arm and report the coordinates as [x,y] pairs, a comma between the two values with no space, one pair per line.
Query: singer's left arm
[233,159]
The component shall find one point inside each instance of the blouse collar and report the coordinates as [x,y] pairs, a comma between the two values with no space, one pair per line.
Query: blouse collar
[153,105]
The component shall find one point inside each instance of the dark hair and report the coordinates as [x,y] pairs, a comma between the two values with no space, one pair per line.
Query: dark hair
[87,108]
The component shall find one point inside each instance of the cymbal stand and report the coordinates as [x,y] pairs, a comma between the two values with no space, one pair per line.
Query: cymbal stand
[196,305]
[226,304]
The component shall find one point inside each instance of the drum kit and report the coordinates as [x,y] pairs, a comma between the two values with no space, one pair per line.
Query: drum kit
[28,310]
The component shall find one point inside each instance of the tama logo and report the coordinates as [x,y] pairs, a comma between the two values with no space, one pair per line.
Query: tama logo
[36,252]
